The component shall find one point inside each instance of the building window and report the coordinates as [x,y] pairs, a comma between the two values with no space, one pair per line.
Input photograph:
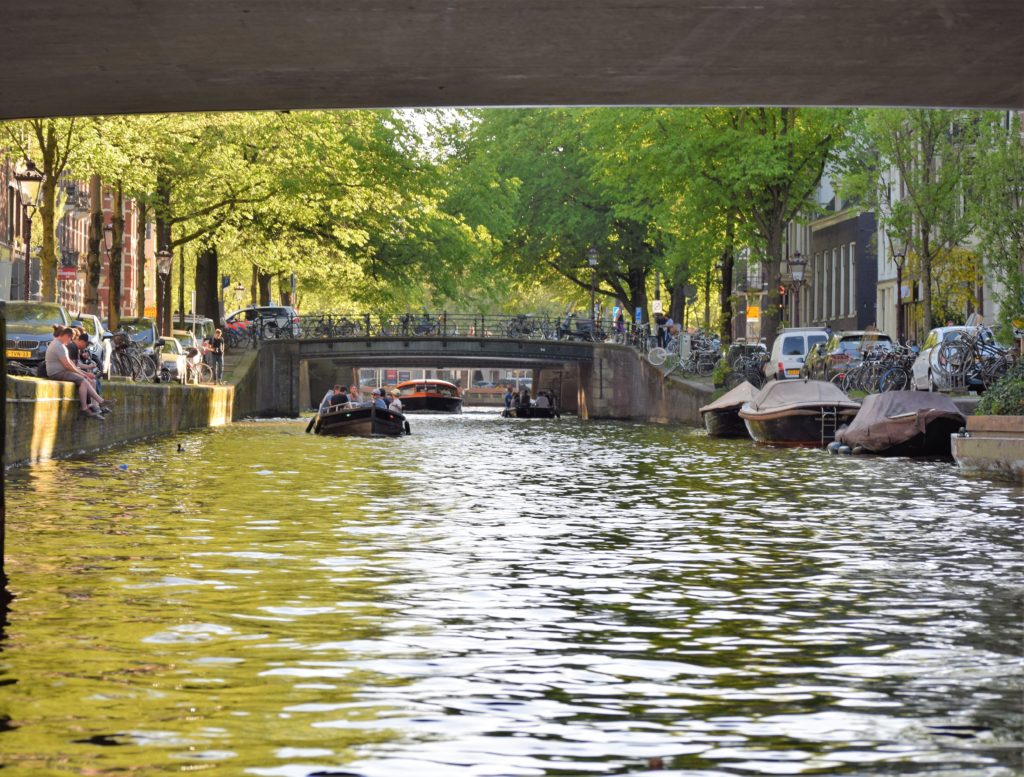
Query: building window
[852,304]
[842,280]
[816,289]
[834,290]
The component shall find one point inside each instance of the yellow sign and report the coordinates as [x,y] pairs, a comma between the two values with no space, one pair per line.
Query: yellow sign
[753,313]
[150,312]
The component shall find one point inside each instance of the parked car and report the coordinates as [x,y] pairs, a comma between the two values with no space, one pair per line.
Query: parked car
[926,373]
[141,330]
[202,326]
[100,340]
[277,320]
[29,331]
[842,351]
[172,361]
[789,350]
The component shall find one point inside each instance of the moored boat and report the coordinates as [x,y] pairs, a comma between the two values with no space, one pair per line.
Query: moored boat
[904,423]
[434,396]
[797,413]
[722,417]
[360,421]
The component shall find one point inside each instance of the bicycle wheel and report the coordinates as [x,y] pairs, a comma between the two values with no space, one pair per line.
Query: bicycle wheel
[146,368]
[203,372]
[894,379]
[657,356]
[840,380]
[121,364]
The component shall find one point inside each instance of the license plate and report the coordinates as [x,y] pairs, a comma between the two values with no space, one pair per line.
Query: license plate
[793,373]
[15,354]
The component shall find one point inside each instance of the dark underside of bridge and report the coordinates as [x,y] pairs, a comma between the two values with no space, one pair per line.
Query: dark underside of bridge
[127,56]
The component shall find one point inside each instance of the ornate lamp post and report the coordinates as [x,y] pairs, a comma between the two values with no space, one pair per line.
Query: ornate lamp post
[163,298]
[30,188]
[797,265]
[592,256]
[899,259]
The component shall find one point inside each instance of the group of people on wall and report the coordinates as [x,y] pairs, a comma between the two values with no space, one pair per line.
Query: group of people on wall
[68,358]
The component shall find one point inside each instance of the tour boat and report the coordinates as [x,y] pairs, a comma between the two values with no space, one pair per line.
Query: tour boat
[904,423]
[434,396]
[722,417]
[792,413]
[360,421]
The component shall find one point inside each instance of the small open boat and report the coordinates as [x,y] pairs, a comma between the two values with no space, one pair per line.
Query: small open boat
[722,417]
[522,411]
[433,396]
[360,421]
[904,423]
[793,413]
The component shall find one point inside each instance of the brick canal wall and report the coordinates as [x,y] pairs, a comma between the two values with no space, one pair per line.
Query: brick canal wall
[44,422]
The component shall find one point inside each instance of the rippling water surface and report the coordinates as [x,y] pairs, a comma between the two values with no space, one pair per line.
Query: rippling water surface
[493,597]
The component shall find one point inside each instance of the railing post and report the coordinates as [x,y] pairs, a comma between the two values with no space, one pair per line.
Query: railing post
[444,323]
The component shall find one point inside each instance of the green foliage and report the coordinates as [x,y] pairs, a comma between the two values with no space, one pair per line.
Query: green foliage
[1006,397]
[721,372]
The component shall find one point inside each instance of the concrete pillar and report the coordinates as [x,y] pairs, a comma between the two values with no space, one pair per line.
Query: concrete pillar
[305,401]
[584,387]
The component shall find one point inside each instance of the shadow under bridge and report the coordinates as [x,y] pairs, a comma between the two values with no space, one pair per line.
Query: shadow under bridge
[283,383]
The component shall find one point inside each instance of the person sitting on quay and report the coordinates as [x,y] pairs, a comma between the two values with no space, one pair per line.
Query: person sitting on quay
[395,406]
[60,367]
[85,360]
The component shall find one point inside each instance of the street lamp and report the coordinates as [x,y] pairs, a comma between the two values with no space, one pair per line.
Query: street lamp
[163,299]
[108,238]
[797,265]
[30,188]
[592,261]
[899,259]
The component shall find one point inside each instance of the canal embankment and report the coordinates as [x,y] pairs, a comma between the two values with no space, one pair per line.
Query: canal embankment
[43,419]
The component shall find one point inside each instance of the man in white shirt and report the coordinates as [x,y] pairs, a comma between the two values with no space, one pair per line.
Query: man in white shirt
[542,400]
[396,403]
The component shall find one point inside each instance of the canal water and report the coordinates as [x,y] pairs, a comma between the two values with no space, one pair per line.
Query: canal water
[502,597]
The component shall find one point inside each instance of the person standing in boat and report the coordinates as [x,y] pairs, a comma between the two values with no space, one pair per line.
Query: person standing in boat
[378,400]
[509,396]
[326,401]
[354,396]
[542,400]
[524,398]
[340,397]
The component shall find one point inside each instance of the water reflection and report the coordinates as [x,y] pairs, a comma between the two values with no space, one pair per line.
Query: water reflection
[492,597]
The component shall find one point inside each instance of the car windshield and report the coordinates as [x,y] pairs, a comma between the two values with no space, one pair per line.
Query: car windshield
[33,313]
[813,340]
[855,345]
[793,345]
[140,330]
[89,326]
[171,345]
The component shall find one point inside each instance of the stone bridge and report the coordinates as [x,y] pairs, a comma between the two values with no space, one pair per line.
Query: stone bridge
[594,380]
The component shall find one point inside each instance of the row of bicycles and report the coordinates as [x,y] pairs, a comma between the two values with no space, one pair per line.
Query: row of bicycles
[699,359]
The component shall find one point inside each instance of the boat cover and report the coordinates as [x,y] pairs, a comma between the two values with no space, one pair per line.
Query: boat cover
[781,395]
[893,417]
[732,398]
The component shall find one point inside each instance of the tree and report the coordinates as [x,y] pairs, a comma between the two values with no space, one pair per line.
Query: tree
[51,141]
[997,207]
[912,166]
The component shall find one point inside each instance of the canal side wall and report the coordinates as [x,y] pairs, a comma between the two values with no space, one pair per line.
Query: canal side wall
[44,422]
[621,384]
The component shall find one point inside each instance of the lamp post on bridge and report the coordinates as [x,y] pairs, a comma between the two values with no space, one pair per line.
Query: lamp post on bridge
[30,188]
[592,256]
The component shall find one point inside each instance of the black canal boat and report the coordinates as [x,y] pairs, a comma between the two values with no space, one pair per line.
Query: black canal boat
[797,413]
[360,421]
[722,417]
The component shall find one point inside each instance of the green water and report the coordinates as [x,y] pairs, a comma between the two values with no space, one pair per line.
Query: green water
[499,597]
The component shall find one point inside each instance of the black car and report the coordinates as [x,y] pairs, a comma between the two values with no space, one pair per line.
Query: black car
[29,331]
[842,351]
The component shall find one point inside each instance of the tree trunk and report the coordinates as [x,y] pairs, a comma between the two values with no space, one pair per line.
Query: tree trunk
[94,265]
[725,293]
[771,316]
[163,242]
[926,276]
[140,259]
[48,255]
[181,287]
[254,285]
[207,285]
[116,256]
[264,281]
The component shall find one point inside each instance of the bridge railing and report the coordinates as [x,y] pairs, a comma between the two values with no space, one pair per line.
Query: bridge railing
[519,326]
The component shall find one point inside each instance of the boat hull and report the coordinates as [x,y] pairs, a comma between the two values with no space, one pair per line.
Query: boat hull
[529,412]
[360,422]
[725,423]
[798,428]
[431,403]
[935,440]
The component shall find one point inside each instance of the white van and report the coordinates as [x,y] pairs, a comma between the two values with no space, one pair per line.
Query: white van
[789,350]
